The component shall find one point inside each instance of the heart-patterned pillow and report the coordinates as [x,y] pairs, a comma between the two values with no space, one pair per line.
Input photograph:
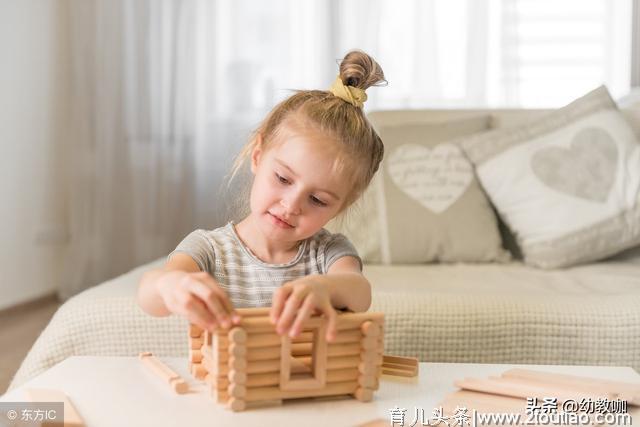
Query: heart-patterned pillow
[588,158]
[434,177]
[587,169]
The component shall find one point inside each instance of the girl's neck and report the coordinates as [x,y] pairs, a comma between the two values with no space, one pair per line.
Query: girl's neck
[266,250]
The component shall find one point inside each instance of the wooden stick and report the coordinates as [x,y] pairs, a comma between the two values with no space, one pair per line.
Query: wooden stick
[400,366]
[572,380]
[274,393]
[523,389]
[71,416]
[177,383]
[482,402]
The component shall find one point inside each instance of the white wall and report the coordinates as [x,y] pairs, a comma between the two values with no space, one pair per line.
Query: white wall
[34,119]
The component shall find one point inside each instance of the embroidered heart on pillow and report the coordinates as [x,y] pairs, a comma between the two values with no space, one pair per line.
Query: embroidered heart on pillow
[434,177]
[587,169]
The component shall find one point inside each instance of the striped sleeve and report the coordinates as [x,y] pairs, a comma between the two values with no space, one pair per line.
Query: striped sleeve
[339,246]
[198,247]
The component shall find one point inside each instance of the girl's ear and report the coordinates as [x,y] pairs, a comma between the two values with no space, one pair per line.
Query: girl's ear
[256,153]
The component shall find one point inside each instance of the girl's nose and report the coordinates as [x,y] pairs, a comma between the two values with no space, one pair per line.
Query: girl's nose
[292,204]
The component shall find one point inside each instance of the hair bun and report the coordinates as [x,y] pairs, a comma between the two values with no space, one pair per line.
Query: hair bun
[360,70]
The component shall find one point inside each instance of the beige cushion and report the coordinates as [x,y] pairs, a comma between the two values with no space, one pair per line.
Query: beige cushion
[566,184]
[425,203]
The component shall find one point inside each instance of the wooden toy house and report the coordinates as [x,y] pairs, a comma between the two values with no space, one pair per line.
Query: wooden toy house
[251,365]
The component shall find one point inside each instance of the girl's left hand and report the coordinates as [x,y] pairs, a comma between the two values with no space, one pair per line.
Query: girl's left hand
[296,301]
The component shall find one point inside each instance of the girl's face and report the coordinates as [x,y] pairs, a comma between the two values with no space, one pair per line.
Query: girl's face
[295,191]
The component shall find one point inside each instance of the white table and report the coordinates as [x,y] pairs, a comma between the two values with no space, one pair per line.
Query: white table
[120,391]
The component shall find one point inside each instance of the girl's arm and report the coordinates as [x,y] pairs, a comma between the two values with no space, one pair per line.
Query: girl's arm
[348,288]
[181,288]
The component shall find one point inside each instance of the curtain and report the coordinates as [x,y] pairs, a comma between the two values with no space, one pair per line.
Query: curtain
[166,92]
[131,167]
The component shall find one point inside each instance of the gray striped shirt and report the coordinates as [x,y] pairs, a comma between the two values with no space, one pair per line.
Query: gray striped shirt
[247,280]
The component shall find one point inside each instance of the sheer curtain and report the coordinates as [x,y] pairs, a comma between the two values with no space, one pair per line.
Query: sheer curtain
[131,167]
[166,92]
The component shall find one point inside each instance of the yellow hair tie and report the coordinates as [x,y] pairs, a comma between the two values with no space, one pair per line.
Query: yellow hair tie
[353,95]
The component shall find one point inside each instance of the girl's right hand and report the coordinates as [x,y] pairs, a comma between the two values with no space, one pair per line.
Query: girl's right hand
[199,298]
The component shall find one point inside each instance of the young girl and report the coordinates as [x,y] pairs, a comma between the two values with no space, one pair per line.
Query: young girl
[311,158]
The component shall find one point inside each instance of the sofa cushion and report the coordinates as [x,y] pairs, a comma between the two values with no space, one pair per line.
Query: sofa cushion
[425,203]
[476,313]
[567,184]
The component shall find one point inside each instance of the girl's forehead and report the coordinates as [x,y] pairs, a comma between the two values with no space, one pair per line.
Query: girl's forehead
[312,156]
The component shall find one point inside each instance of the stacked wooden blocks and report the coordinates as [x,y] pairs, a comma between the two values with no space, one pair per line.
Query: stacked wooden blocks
[251,365]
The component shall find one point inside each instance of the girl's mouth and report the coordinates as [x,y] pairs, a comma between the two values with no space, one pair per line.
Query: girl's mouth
[279,222]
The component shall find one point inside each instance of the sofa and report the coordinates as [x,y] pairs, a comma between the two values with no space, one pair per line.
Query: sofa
[479,312]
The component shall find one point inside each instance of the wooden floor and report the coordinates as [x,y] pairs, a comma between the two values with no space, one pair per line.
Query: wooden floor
[19,328]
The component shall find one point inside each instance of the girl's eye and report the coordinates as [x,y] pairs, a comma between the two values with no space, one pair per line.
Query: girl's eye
[317,201]
[282,179]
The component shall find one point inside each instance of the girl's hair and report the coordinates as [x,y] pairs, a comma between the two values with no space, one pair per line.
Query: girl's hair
[359,146]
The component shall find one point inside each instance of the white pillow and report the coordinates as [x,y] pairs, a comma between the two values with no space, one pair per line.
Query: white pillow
[567,184]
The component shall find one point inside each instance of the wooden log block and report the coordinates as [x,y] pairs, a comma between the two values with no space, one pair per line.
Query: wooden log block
[236,390]
[303,337]
[371,357]
[199,371]
[349,349]
[196,343]
[354,320]
[264,366]
[195,356]
[347,336]
[222,383]
[206,352]
[71,416]
[221,396]
[175,381]
[236,405]
[195,331]
[238,364]
[237,377]
[237,335]
[274,393]
[370,343]
[367,368]
[363,394]
[209,365]
[273,378]
[370,329]
[266,339]
[237,350]
[264,353]
[367,381]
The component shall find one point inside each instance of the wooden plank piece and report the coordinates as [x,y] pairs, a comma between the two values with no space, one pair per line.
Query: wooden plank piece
[71,416]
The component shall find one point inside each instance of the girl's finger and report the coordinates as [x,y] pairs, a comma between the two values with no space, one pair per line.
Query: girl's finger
[211,300]
[277,303]
[303,315]
[215,287]
[198,314]
[290,309]
[332,323]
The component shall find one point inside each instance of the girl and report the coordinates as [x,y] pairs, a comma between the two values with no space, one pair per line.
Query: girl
[312,157]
